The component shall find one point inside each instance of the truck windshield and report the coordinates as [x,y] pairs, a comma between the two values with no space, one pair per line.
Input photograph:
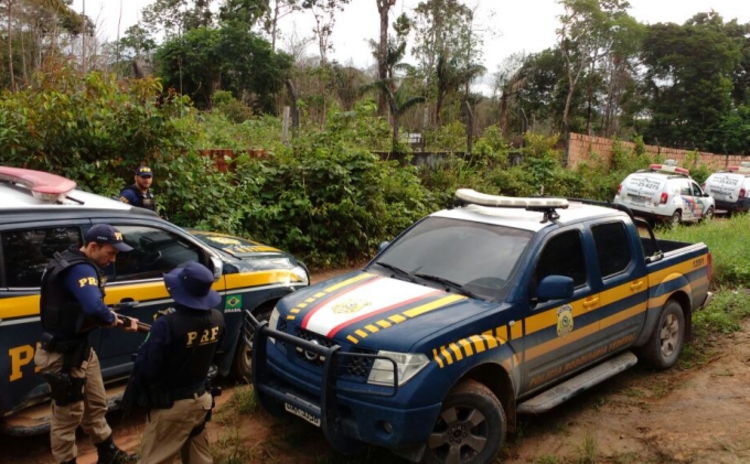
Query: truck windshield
[480,258]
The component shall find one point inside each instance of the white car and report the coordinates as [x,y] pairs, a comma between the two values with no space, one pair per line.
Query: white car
[730,189]
[665,193]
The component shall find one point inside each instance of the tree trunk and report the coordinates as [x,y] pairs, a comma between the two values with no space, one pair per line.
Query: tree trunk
[83,39]
[10,46]
[383,8]
[469,127]
[295,110]
[274,25]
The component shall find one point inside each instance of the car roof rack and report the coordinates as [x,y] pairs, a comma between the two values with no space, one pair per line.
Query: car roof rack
[43,185]
[547,206]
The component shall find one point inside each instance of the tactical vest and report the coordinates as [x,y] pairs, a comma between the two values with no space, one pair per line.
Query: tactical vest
[147,199]
[195,338]
[60,311]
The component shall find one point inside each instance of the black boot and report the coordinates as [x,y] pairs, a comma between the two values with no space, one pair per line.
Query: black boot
[109,453]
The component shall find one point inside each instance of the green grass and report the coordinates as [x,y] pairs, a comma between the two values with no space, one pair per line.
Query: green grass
[727,241]
[245,401]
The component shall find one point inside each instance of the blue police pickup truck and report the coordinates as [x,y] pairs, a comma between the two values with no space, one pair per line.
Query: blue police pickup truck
[494,308]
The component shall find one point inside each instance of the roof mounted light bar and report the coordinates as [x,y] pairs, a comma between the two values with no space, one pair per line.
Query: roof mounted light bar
[544,205]
[43,185]
[669,168]
[740,169]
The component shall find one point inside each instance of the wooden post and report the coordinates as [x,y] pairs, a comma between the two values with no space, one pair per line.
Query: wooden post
[285,127]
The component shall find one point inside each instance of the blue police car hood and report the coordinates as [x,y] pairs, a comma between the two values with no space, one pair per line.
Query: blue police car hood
[371,310]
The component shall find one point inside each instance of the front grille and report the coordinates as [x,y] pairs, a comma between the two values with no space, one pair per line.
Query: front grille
[281,327]
[355,366]
[308,357]
[352,367]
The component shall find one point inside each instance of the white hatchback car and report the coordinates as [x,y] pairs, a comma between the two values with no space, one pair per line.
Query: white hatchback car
[665,193]
[730,189]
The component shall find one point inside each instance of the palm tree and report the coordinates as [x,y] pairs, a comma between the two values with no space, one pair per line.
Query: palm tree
[399,101]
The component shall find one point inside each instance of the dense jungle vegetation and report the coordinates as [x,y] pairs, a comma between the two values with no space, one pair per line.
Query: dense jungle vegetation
[210,74]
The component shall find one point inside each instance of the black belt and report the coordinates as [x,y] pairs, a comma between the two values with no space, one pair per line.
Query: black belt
[187,393]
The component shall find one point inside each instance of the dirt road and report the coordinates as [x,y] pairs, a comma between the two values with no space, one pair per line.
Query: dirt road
[698,415]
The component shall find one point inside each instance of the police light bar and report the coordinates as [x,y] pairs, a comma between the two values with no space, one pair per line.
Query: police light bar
[43,185]
[482,199]
[668,168]
[740,169]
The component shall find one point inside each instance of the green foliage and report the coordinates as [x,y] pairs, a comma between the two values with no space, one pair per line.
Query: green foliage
[726,240]
[235,110]
[328,200]
[245,401]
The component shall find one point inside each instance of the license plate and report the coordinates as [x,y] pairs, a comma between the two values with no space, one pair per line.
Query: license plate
[637,199]
[292,409]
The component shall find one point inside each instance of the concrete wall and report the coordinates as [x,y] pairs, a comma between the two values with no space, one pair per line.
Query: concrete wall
[580,148]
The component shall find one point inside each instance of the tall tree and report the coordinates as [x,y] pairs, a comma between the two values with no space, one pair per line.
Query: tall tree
[586,30]
[324,12]
[447,59]
[690,81]
[278,10]
[384,7]
[400,99]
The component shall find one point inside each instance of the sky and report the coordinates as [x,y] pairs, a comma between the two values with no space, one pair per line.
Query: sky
[512,26]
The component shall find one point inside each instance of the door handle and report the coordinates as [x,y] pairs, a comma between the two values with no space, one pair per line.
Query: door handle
[126,303]
[590,302]
[637,285]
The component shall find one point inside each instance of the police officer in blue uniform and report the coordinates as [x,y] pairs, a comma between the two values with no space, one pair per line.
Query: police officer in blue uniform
[139,194]
[171,369]
[72,304]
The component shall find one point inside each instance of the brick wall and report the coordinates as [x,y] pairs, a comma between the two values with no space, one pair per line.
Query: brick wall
[583,147]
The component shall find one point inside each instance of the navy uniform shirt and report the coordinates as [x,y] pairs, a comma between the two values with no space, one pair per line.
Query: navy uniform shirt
[82,281]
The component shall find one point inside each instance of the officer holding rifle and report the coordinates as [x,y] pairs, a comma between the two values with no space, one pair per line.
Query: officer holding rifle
[72,304]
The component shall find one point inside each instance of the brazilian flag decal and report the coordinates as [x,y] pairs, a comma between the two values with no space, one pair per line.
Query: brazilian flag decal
[233,304]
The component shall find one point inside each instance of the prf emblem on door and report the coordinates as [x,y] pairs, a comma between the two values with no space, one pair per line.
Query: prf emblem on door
[564,321]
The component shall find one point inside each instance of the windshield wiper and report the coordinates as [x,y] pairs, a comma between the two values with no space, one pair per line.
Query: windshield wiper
[451,284]
[396,269]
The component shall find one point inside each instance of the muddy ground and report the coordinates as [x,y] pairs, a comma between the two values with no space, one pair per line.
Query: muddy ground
[697,414]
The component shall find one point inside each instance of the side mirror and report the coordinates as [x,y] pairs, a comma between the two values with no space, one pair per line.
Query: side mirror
[383,246]
[555,287]
[217,266]
[706,194]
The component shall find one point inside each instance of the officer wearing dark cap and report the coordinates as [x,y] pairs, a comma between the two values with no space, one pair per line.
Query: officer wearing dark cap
[72,304]
[139,194]
[172,369]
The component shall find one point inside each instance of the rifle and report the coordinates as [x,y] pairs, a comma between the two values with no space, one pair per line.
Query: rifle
[142,326]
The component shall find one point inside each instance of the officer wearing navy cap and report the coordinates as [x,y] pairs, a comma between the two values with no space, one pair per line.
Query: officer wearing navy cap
[139,194]
[71,305]
[172,369]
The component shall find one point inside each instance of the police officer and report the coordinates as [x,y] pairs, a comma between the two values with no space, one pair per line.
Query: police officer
[139,194]
[71,306]
[172,368]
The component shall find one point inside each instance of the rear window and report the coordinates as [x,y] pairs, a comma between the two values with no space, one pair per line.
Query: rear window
[26,252]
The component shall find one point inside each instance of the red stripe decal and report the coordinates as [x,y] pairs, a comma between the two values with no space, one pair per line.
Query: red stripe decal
[334,296]
[336,329]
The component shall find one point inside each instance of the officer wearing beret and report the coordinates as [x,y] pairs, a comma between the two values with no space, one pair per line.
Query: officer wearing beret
[172,369]
[72,304]
[139,194]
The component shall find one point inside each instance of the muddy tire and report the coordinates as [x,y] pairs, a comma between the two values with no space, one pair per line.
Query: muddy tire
[709,215]
[242,364]
[470,428]
[675,219]
[665,344]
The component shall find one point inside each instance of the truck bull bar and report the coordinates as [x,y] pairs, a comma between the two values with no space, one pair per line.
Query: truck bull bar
[256,335]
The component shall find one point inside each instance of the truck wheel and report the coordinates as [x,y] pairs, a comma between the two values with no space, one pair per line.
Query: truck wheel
[709,215]
[470,428]
[675,220]
[242,365]
[665,344]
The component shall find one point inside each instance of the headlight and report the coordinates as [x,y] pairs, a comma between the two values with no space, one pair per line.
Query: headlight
[300,272]
[407,366]
[273,321]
